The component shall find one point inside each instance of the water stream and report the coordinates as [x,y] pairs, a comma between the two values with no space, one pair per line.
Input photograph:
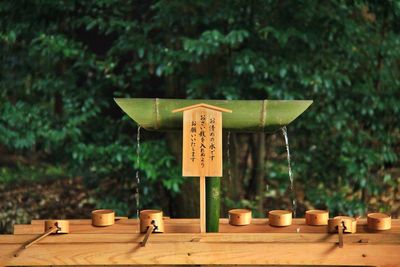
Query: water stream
[137,193]
[292,191]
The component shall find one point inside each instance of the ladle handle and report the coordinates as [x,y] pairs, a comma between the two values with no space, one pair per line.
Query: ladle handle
[148,233]
[117,218]
[48,232]
[37,239]
[340,232]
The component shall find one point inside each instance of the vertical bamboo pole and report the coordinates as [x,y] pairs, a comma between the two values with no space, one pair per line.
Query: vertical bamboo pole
[202,204]
[213,202]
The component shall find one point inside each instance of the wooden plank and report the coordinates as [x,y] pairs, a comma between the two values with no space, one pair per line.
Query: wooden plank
[192,226]
[79,228]
[200,253]
[125,221]
[167,220]
[207,238]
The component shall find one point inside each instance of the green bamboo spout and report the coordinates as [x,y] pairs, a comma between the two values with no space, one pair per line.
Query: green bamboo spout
[247,116]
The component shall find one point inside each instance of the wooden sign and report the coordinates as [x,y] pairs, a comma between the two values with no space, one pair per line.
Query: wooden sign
[202,140]
[202,146]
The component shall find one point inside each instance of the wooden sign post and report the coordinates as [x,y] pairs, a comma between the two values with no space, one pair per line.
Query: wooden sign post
[202,147]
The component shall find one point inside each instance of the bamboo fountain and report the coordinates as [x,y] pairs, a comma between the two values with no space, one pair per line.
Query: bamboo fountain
[241,240]
[246,116]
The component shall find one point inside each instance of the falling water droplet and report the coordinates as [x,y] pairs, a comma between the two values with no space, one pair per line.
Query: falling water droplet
[292,191]
[137,193]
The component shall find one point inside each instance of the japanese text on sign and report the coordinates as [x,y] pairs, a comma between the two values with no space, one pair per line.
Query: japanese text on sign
[202,144]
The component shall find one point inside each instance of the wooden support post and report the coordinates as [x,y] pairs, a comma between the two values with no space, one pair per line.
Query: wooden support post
[202,148]
[202,204]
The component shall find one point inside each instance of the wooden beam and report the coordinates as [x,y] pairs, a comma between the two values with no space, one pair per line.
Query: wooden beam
[200,253]
[296,221]
[192,226]
[208,238]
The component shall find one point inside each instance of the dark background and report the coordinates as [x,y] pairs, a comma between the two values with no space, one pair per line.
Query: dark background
[66,148]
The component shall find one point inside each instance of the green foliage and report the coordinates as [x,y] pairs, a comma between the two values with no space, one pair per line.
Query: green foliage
[30,174]
[62,62]
[158,165]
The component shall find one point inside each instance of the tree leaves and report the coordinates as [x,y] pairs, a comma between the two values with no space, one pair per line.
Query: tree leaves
[61,63]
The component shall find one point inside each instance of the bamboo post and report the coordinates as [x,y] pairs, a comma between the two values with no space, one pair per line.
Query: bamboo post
[213,203]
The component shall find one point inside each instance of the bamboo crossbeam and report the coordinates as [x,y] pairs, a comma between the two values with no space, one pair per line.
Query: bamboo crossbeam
[192,226]
[247,116]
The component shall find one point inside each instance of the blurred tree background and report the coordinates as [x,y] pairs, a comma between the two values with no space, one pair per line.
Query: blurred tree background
[66,148]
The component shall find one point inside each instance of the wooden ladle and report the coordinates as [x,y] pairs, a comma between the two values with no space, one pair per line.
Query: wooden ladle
[151,221]
[50,227]
[341,225]
[149,231]
[105,217]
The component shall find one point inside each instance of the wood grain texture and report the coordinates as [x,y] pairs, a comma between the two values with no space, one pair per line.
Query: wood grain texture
[361,221]
[237,245]
[208,238]
[131,226]
[200,253]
